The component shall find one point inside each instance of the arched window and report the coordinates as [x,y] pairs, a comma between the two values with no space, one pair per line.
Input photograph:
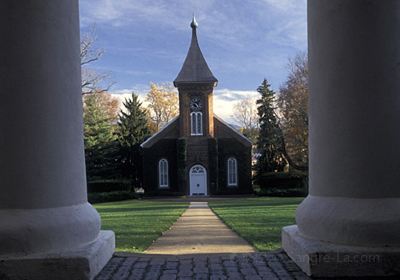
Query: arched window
[163,173]
[196,123]
[232,172]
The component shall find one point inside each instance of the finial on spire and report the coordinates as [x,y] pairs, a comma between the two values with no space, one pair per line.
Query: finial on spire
[195,68]
[194,23]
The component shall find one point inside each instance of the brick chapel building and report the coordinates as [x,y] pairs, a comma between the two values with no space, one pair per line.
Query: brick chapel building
[196,153]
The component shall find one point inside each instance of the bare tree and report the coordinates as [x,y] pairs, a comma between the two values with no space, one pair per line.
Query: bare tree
[92,80]
[293,110]
[163,104]
[245,113]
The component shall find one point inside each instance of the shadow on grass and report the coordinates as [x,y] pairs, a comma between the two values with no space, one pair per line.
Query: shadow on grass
[138,223]
[159,209]
[258,220]
[258,202]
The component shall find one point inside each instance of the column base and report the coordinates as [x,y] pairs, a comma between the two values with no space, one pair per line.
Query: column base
[324,259]
[83,263]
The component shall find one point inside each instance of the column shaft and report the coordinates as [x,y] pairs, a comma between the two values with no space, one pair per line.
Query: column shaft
[354,201]
[48,230]
[354,54]
[41,144]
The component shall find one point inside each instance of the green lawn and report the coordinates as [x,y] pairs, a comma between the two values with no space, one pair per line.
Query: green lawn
[137,223]
[258,220]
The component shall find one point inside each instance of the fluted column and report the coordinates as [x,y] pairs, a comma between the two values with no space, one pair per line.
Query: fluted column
[354,202]
[43,202]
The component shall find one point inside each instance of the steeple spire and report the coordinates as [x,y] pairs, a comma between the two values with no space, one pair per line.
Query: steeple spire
[195,68]
[194,23]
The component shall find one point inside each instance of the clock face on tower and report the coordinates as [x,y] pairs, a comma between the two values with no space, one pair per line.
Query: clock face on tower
[195,104]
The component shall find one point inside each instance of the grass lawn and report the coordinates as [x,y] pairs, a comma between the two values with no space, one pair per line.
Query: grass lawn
[258,220]
[137,223]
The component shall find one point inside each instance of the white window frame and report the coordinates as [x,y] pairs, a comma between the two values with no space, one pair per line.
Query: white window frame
[163,176]
[232,178]
[196,123]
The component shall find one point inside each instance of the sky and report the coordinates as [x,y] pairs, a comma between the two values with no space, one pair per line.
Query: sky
[243,41]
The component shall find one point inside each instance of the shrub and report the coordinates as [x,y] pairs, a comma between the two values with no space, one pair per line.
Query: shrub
[111,196]
[97,186]
[282,184]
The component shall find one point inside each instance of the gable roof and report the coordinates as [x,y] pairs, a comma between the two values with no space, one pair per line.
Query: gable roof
[169,131]
[195,68]
[231,131]
[169,127]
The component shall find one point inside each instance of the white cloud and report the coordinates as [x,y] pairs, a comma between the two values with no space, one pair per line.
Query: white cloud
[283,4]
[123,94]
[220,21]
[249,39]
[224,99]
[124,12]
[289,22]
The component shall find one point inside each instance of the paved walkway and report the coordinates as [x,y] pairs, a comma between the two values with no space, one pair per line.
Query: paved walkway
[199,246]
[254,266]
[199,231]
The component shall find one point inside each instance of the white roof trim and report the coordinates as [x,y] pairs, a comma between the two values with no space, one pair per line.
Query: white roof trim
[234,130]
[161,130]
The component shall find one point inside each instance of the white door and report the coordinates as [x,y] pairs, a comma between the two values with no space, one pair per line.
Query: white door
[198,180]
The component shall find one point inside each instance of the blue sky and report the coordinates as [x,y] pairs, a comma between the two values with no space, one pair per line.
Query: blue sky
[243,41]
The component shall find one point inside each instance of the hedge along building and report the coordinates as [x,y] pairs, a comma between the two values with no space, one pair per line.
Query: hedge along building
[197,153]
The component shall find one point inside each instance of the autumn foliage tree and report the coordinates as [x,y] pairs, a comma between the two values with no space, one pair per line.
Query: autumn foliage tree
[163,104]
[293,108]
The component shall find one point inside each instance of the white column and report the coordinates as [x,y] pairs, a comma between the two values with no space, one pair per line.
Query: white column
[44,213]
[354,202]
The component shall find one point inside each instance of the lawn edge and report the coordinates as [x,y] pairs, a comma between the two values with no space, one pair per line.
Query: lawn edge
[161,233]
[187,207]
[235,231]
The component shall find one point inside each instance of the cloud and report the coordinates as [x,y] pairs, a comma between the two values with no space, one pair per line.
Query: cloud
[243,41]
[141,90]
[219,20]
[234,95]
[124,12]
[289,22]
[283,4]
[125,94]
[224,99]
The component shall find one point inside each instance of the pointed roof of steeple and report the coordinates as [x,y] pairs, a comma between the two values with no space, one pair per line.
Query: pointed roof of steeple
[195,68]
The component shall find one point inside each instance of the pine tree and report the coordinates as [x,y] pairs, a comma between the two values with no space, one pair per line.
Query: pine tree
[269,143]
[133,130]
[98,123]
[101,147]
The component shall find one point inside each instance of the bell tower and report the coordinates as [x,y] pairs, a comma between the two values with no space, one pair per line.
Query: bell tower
[195,83]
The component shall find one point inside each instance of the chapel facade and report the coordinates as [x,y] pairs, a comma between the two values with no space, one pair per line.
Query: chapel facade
[196,153]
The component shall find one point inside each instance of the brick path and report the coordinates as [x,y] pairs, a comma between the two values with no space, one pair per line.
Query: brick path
[252,266]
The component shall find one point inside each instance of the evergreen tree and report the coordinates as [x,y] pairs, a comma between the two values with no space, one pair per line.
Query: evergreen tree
[101,146]
[99,129]
[133,130]
[269,144]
